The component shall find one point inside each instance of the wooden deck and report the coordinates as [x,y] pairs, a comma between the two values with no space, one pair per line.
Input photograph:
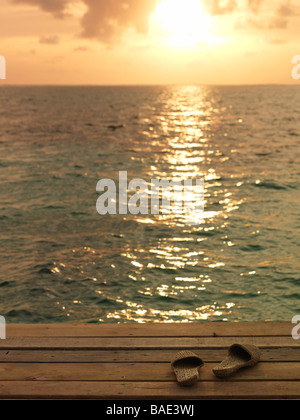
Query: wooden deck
[132,361]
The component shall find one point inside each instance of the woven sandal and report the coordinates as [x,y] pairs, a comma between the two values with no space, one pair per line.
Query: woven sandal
[239,356]
[186,367]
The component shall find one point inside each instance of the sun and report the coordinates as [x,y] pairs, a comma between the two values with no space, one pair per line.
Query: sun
[184,22]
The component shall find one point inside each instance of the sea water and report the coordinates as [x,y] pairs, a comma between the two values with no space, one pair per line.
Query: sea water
[61,261]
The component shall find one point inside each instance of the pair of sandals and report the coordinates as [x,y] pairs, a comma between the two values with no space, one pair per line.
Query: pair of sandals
[186,364]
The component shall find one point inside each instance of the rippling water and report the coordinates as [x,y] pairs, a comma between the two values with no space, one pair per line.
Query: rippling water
[61,261]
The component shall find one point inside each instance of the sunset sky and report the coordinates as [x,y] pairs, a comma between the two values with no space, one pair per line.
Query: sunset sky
[108,42]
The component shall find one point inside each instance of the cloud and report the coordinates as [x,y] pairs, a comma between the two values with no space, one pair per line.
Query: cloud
[277,22]
[269,15]
[283,13]
[56,7]
[82,49]
[106,20]
[49,40]
[254,5]
[287,9]
[220,7]
[277,41]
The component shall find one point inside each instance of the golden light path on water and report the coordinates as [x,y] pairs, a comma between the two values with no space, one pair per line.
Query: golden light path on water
[188,152]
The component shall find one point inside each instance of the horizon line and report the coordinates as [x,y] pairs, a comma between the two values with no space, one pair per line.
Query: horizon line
[4,83]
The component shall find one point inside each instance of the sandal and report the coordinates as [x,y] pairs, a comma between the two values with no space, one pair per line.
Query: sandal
[186,367]
[239,356]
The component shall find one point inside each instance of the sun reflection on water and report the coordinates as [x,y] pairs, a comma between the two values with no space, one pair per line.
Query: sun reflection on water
[166,269]
[187,120]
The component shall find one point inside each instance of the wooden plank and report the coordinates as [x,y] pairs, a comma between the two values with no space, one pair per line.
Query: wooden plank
[132,361]
[143,356]
[136,372]
[144,343]
[200,329]
[148,390]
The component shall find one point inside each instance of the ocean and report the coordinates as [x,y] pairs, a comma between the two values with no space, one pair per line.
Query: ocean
[61,261]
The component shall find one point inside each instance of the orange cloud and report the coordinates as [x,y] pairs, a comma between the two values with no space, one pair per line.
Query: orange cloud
[56,7]
[107,20]
[219,7]
[270,15]
[50,40]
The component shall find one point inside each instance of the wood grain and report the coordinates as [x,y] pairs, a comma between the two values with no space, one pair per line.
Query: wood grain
[132,361]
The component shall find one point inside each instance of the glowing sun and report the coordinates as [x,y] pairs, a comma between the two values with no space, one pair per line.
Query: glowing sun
[184,22]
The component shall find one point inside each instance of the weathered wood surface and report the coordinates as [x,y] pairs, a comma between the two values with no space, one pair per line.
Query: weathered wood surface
[132,361]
